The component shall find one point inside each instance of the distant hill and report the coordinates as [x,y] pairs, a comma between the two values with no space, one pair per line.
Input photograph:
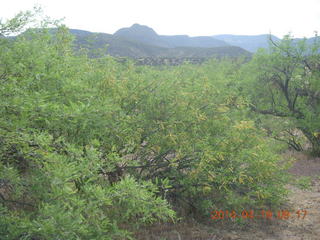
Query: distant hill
[139,41]
[143,34]
[143,42]
[186,41]
[116,46]
[147,35]
[249,43]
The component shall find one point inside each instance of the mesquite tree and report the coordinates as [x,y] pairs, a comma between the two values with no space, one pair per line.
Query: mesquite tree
[285,83]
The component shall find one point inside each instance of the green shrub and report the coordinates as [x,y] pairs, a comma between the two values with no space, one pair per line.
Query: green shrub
[93,148]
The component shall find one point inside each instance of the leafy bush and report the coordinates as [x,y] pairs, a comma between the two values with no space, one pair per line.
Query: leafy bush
[93,148]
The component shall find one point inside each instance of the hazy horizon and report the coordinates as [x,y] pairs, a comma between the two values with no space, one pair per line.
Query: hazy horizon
[192,18]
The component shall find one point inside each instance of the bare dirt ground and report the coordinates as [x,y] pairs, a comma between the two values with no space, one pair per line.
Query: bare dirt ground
[304,197]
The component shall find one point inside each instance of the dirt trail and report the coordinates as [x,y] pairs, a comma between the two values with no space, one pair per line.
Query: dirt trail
[309,200]
[309,227]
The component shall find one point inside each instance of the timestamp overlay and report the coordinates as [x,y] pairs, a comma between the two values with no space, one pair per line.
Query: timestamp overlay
[259,214]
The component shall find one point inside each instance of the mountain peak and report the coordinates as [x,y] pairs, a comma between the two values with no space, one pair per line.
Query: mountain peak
[136,25]
[136,28]
[141,33]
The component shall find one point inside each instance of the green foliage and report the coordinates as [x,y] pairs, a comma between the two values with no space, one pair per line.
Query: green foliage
[284,82]
[17,23]
[94,148]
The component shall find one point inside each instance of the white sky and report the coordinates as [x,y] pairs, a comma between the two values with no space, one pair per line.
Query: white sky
[191,17]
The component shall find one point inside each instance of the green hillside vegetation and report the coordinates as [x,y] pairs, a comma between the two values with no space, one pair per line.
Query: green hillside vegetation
[186,41]
[94,148]
[127,46]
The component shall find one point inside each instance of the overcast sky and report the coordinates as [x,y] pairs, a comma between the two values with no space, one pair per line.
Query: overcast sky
[191,17]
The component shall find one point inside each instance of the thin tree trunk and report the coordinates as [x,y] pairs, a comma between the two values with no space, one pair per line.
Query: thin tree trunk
[314,140]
